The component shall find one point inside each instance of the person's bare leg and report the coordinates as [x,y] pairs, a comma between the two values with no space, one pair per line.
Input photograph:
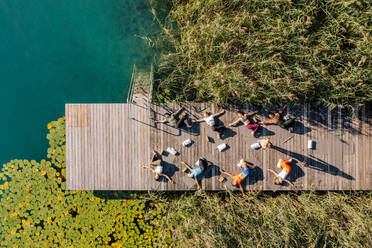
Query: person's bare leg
[218,135]
[178,110]
[197,183]
[226,173]
[186,165]
[188,124]
[167,177]
[241,189]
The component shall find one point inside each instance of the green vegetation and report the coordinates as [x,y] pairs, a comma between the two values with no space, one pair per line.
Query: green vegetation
[261,220]
[269,52]
[37,211]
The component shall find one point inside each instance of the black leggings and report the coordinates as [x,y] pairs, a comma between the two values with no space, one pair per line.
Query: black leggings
[181,121]
[288,123]
[219,128]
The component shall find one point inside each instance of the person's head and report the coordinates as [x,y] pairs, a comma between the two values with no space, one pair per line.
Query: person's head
[234,183]
[240,113]
[246,165]
[156,177]
[190,174]
[167,115]
[271,115]
[278,180]
[267,143]
[207,113]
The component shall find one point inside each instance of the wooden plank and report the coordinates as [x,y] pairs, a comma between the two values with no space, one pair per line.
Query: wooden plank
[105,148]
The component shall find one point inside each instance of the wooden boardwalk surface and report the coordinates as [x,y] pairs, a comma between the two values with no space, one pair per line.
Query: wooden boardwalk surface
[106,144]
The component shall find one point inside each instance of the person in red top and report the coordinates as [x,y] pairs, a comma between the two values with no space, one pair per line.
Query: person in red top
[286,169]
[240,177]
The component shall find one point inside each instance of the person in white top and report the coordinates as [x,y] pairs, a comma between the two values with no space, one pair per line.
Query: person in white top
[286,169]
[209,118]
[157,162]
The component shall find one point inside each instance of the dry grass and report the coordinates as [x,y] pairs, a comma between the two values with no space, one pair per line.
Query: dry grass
[268,52]
[308,219]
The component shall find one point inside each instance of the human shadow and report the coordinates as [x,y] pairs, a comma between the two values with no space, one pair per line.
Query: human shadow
[314,163]
[114,194]
[253,177]
[263,131]
[211,171]
[227,132]
[169,170]
[296,172]
[300,128]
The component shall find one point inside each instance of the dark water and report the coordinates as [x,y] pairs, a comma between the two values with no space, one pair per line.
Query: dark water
[56,52]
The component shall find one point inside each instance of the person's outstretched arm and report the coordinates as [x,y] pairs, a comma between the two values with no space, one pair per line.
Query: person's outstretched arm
[167,177]
[197,183]
[148,167]
[186,165]
[178,110]
[251,113]
[161,121]
[273,172]
[199,120]
[219,113]
[235,122]
[270,121]
[282,109]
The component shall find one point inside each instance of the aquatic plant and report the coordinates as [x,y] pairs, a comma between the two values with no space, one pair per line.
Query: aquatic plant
[37,211]
[266,52]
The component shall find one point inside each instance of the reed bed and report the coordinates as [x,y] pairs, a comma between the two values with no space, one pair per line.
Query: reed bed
[308,219]
[265,52]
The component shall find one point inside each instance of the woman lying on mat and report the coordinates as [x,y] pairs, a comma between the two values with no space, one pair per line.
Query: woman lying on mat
[245,168]
[242,117]
[157,162]
[209,118]
[286,169]
[200,166]
[176,119]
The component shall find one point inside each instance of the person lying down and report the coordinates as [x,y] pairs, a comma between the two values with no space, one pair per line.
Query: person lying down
[238,178]
[200,167]
[156,167]
[286,169]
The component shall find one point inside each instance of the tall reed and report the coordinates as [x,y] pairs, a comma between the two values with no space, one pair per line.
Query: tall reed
[268,52]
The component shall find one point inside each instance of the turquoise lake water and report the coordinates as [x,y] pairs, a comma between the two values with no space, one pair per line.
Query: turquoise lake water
[56,52]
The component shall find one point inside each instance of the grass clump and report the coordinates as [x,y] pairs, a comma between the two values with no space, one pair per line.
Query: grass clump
[261,220]
[266,52]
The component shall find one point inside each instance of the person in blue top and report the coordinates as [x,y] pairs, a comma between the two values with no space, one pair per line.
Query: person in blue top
[238,178]
[200,166]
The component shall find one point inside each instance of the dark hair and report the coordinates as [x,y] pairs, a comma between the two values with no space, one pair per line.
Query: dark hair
[167,114]
[240,112]
[207,113]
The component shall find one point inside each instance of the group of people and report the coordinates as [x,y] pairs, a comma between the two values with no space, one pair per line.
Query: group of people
[180,118]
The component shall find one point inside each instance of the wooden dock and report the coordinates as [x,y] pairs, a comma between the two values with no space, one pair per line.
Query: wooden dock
[106,144]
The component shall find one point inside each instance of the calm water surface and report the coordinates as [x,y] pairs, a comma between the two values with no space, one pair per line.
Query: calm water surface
[56,52]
